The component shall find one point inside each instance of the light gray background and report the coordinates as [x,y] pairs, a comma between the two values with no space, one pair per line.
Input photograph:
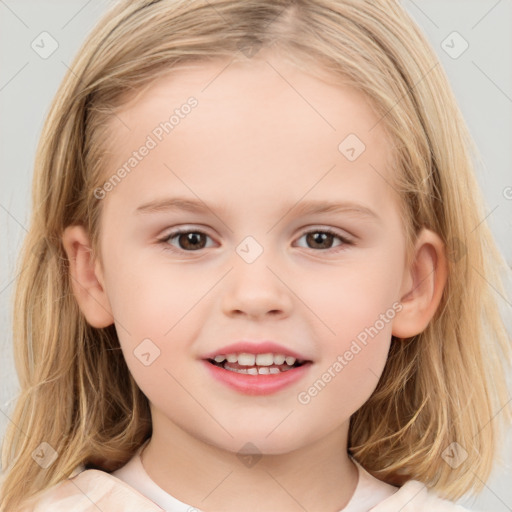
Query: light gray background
[481,78]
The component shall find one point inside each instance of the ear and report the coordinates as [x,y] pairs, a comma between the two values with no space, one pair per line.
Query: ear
[422,286]
[86,277]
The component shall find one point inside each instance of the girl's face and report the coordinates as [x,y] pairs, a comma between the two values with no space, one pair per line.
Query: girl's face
[252,148]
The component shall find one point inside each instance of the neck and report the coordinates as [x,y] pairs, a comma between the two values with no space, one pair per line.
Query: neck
[319,476]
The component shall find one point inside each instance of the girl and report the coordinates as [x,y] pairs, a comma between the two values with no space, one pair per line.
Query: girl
[257,275]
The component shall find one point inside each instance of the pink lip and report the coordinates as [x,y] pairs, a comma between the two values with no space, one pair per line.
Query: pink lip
[262,347]
[257,384]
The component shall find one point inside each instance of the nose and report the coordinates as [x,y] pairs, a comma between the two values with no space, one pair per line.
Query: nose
[256,290]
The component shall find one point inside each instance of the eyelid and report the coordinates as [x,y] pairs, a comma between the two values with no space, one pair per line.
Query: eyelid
[186,228]
[346,239]
[178,231]
[342,233]
[202,229]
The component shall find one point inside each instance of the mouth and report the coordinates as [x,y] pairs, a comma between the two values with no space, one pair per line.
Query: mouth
[257,364]
[257,368]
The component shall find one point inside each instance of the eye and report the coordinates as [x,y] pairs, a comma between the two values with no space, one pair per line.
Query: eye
[323,238]
[188,240]
[194,240]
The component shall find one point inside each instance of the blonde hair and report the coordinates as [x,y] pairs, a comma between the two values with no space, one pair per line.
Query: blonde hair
[444,385]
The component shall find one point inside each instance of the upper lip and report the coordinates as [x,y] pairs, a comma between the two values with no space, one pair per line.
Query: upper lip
[255,347]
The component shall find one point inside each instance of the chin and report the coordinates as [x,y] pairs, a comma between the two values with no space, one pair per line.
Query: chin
[259,442]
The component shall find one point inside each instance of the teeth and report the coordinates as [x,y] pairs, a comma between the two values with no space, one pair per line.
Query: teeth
[246,359]
[264,359]
[290,360]
[279,359]
[256,364]
[240,370]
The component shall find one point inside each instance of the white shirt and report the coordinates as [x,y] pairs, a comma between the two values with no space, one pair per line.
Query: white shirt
[370,493]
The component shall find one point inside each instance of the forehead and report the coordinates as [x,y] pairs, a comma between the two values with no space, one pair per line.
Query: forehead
[258,127]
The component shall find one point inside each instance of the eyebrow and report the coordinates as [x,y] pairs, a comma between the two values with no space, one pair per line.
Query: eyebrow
[301,208]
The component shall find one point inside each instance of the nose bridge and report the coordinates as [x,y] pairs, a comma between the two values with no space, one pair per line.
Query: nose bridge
[253,286]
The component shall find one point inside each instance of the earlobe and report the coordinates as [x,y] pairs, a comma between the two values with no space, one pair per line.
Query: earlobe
[85,277]
[424,283]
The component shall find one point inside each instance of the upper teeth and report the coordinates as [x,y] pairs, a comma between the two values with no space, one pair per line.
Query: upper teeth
[244,359]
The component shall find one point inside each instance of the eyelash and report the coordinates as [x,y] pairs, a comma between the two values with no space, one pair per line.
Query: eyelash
[173,234]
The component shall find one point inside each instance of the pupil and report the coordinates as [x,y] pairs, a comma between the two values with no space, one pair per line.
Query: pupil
[319,238]
[190,239]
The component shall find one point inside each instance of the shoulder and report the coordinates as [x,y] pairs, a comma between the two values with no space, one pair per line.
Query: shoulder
[89,491]
[414,496]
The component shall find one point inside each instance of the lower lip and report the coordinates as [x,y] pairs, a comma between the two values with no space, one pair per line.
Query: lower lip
[264,384]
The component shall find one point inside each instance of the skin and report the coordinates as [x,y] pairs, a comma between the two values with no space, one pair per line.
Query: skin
[255,146]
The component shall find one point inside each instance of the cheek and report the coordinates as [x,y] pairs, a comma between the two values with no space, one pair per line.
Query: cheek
[150,299]
[150,312]
[350,367]
[357,305]
[353,297]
